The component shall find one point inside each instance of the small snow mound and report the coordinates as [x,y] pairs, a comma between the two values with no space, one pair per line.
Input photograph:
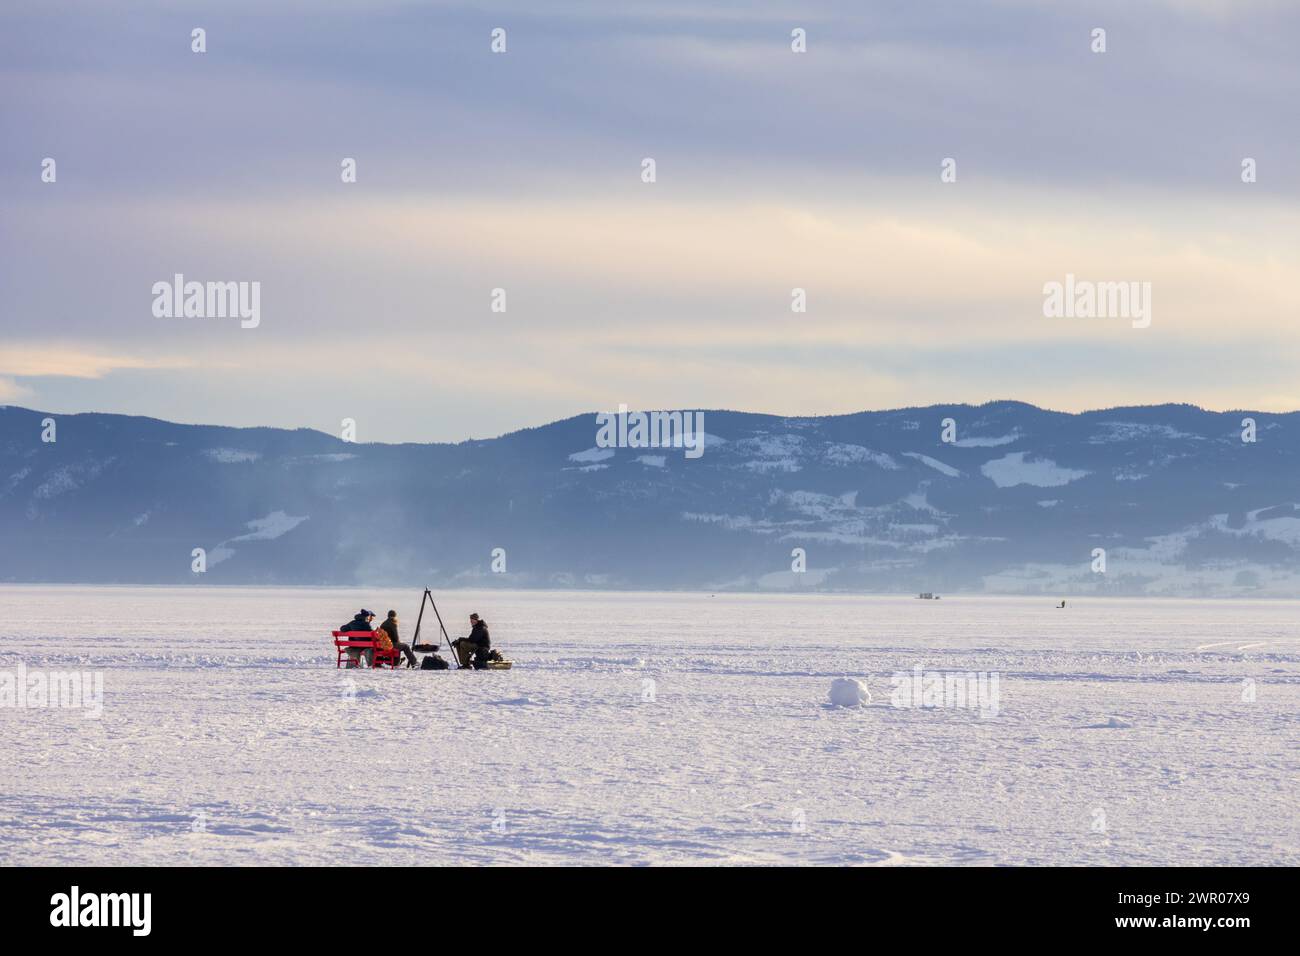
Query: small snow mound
[1111,722]
[849,692]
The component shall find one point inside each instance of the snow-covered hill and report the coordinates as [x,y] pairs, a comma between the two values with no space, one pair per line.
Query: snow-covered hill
[1016,500]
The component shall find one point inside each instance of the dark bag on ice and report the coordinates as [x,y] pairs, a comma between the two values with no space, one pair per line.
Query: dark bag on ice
[433,663]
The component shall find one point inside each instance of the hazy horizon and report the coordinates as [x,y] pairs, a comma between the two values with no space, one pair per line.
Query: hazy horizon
[586,412]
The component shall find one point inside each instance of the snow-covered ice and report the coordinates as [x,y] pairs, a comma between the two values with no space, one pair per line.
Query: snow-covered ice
[653,728]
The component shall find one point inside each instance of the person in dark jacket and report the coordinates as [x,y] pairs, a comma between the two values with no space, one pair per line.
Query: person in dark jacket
[389,627]
[363,620]
[479,641]
[360,621]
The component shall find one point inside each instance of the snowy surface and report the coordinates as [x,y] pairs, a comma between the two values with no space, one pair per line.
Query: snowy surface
[934,463]
[653,728]
[592,455]
[978,442]
[1017,469]
[842,454]
[231,456]
[272,526]
[1138,432]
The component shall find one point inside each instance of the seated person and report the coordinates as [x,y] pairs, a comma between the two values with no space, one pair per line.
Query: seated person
[363,620]
[478,643]
[389,627]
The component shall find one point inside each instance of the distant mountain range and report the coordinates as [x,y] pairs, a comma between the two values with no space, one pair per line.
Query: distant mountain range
[878,502]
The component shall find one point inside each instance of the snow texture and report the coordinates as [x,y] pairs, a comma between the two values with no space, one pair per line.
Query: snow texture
[934,463]
[592,455]
[231,456]
[668,728]
[1016,469]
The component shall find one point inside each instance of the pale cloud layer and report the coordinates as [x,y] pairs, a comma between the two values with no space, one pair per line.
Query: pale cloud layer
[776,171]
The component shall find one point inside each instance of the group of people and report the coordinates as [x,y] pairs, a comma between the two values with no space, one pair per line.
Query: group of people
[478,643]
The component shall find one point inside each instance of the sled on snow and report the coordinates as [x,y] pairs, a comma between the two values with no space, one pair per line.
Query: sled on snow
[465,652]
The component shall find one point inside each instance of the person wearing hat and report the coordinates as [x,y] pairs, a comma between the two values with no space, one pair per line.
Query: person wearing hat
[389,627]
[479,643]
[363,620]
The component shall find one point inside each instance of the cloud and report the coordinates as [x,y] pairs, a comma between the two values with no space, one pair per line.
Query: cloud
[776,171]
[912,267]
[36,361]
[11,391]
[413,93]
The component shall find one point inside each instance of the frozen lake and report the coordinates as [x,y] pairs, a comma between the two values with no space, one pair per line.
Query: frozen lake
[652,728]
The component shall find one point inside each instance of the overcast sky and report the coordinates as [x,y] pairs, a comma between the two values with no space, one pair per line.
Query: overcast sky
[522,171]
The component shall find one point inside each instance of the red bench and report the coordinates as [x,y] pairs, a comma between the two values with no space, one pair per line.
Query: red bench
[364,640]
